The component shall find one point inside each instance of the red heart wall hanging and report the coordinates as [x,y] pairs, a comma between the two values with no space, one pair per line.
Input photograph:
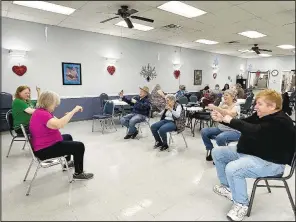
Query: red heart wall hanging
[177,73]
[215,75]
[111,70]
[19,70]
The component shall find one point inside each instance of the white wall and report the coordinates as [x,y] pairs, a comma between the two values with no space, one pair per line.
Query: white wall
[279,63]
[68,45]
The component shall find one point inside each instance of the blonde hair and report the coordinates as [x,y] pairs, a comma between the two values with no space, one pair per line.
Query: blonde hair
[232,93]
[271,96]
[170,97]
[19,90]
[48,98]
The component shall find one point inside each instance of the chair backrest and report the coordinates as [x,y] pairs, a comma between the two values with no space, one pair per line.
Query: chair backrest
[249,102]
[293,163]
[28,139]
[103,98]
[109,108]
[217,101]
[9,120]
[183,100]
[5,100]
[193,99]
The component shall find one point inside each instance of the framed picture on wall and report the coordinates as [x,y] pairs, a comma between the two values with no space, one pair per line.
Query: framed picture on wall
[71,73]
[197,77]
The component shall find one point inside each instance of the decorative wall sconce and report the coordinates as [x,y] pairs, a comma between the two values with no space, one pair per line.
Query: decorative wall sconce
[17,53]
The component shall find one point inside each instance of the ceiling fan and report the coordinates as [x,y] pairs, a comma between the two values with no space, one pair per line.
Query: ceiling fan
[256,49]
[126,13]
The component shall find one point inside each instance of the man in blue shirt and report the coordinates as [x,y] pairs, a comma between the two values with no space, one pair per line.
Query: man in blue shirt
[141,109]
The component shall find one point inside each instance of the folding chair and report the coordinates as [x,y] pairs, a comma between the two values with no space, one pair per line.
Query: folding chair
[108,114]
[15,136]
[279,178]
[177,133]
[43,163]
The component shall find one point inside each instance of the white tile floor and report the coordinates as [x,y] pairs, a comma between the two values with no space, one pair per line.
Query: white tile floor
[132,182]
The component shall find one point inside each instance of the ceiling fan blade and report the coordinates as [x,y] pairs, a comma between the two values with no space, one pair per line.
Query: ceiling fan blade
[129,23]
[265,50]
[109,19]
[132,11]
[142,18]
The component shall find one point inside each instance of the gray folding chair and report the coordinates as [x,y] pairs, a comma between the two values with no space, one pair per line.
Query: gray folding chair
[107,116]
[43,163]
[177,133]
[15,136]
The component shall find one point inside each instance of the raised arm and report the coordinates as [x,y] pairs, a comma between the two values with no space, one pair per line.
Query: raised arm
[55,123]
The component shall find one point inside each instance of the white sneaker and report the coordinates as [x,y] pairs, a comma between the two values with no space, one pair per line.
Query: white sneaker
[237,212]
[223,191]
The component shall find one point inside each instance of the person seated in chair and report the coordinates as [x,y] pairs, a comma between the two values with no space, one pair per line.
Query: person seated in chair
[181,92]
[240,91]
[23,108]
[166,124]
[222,134]
[266,145]
[46,139]
[141,109]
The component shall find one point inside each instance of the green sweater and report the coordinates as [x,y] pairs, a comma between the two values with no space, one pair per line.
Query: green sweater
[18,112]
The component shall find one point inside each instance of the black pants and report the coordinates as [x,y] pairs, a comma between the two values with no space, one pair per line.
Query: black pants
[66,147]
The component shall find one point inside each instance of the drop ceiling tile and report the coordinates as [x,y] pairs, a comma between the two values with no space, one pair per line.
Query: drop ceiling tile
[70,4]
[137,5]
[237,2]
[154,4]
[158,14]
[281,18]
[3,13]
[5,5]
[288,5]
[209,6]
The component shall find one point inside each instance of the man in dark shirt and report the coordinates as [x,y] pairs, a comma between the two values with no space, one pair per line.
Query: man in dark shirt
[141,109]
[266,145]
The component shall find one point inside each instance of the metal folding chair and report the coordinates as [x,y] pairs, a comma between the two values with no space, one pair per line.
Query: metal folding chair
[177,133]
[107,116]
[15,136]
[43,163]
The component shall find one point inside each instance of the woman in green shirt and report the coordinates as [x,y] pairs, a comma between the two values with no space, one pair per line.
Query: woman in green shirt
[23,107]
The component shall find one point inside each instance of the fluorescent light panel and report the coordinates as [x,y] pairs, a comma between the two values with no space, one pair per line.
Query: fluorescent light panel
[252,34]
[264,55]
[286,46]
[182,9]
[46,6]
[136,26]
[207,42]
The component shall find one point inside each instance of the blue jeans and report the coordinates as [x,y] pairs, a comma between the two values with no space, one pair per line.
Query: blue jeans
[233,168]
[131,120]
[161,128]
[221,137]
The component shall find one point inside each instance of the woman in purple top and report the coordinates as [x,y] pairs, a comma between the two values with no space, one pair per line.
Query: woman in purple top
[46,138]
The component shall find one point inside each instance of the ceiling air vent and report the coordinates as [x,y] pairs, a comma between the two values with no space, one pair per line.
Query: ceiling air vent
[232,42]
[172,26]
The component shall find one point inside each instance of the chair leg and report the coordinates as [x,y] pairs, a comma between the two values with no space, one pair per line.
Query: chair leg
[112,121]
[252,197]
[93,125]
[290,197]
[35,174]
[24,145]
[70,178]
[29,169]
[268,187]
[184,139]
[10,147]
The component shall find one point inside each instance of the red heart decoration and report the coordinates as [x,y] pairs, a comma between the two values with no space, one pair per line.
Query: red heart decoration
[177,73]
[258,73]
[19,70]
[215,75]
[111,70]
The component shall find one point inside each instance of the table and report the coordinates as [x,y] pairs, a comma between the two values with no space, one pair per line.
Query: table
[118,102]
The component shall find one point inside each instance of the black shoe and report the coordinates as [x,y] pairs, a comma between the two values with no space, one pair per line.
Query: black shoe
[127,137]
[70,165]
[209,157]
[135,134]
[157,144]
[83,176]
[164,147]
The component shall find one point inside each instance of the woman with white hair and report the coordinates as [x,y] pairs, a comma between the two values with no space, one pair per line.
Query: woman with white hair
[222,134]
[166,124]
[46,139]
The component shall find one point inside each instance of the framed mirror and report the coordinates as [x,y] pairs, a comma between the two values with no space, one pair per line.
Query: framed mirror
[258,80]
[288,81]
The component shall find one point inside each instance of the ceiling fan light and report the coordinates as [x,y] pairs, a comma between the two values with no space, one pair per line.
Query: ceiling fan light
[136,26]
[207,42]
[264,55]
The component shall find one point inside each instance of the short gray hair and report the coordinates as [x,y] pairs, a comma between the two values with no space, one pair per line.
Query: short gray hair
[170,97]
[48,98]
[232,93]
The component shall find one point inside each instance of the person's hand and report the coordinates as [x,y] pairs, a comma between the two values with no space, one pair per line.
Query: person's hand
[37,89]
[227,119]
[211,106]
[78,109]
[121,94]
[216,116]
[133,100]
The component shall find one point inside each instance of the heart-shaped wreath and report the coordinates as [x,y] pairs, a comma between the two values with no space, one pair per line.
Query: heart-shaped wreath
[111,70]
[19,70]
[177,73]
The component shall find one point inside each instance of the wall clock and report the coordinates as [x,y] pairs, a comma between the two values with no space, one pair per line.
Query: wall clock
[274,72]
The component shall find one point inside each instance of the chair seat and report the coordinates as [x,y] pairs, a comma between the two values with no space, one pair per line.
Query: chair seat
[101,116]
[275,176]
